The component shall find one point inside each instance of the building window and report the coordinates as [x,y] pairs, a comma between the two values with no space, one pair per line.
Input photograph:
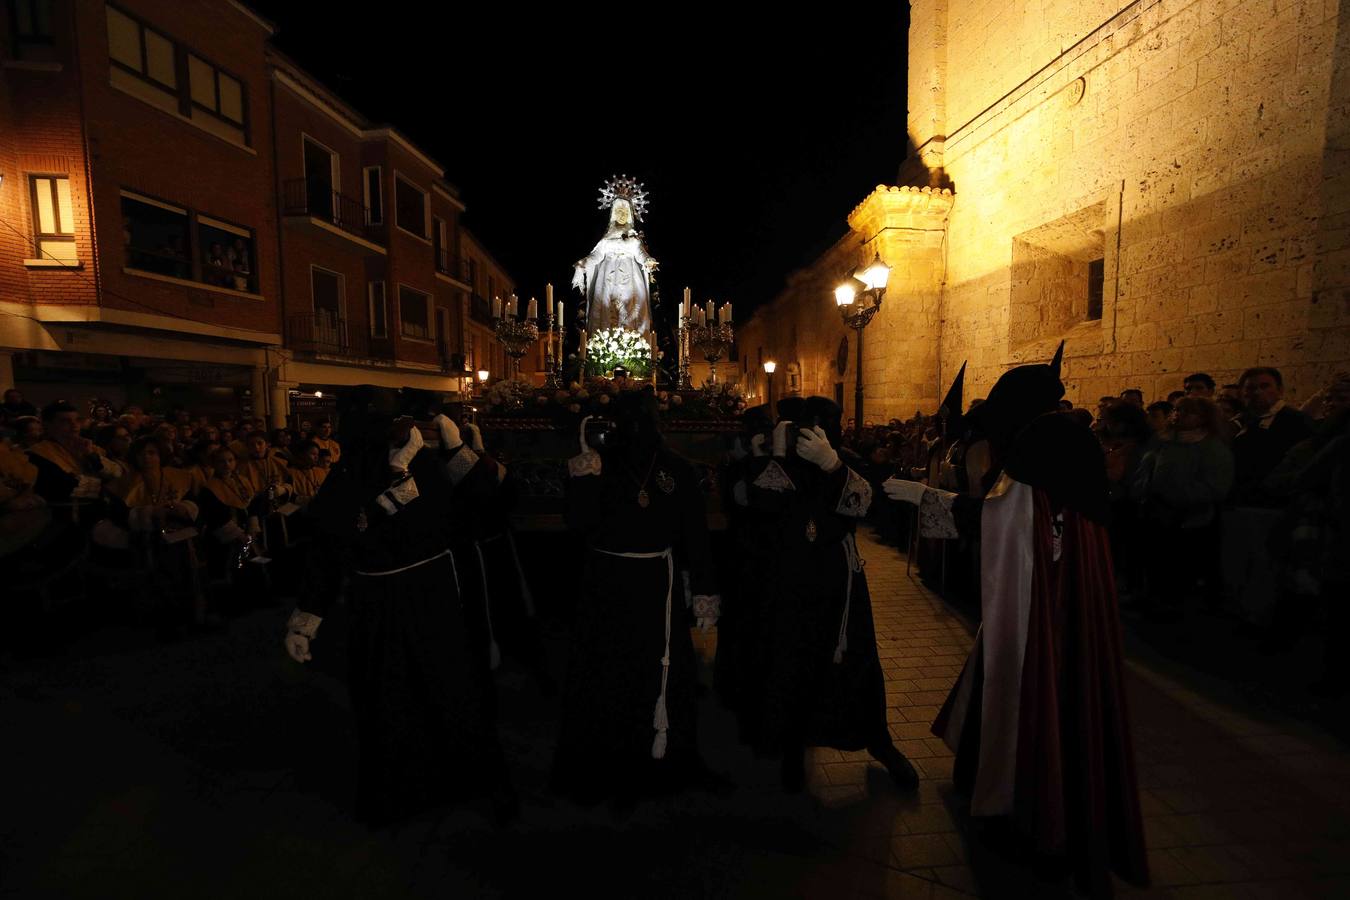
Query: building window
[53,218]
[193,86]
[439,249]
[32,21]
[212,90]
[374,188]
[1096,287]
[166,239]
[141,49]
[1058,271]
[473,274]
[410,207]
[156,235]
[414,313]
[228,258]
[379,311]
[326,291]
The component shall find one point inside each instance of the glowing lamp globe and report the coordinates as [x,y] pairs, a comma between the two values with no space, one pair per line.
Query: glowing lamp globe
[876,275]
[769,366]
[844,294]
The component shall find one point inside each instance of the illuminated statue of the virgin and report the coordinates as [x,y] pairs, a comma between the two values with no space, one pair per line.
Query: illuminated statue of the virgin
[616,277]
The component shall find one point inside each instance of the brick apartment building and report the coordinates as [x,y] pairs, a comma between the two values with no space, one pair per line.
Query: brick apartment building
[187,217]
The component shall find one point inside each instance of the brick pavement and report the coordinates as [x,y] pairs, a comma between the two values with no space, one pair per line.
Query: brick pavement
[216,768]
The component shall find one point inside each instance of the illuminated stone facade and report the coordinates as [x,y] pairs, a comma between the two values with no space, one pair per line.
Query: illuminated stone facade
[1158,183]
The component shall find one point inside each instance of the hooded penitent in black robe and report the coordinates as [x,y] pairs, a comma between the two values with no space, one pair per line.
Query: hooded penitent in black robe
[420,697]
[819,679]
[628,720]
[1038,719]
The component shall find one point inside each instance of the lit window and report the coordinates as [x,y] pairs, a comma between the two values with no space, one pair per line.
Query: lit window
[410,207]
[379,311]
[53,218]
[142,50]
[414,313]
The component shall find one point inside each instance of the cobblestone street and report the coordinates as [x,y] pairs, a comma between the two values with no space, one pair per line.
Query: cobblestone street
[217,768]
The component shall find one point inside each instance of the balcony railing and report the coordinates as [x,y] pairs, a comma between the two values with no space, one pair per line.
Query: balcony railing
[448,263]
[480,309]
[318,200]
[324,334]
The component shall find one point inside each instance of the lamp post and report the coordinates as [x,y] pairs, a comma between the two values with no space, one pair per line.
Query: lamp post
[769,366]
[857,306]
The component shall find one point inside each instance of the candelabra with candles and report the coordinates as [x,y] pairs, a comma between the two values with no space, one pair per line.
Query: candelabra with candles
[516,335]
[708,329]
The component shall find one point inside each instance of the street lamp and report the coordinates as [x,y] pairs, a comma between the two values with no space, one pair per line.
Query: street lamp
[858,299]
[769,366]
[482,379]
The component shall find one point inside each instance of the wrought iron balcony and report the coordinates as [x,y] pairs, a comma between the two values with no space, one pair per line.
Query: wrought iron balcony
[316,199]
[324,334]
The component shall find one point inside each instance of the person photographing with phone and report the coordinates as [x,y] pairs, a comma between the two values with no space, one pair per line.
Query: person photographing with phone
[820,681]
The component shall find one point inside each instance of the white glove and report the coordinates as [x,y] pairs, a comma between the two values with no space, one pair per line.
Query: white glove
[780,438]
[475,437]
[757,443]
[738,449]
[448,431]
[400,457]
[301,627]
[707,610]
[813,446]
[904,491]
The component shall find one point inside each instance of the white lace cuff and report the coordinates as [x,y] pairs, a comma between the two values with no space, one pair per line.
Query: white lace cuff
[460,464]
[587,463]
[935,515]
[707,606]
[856,498]
[398,496]
[773,478]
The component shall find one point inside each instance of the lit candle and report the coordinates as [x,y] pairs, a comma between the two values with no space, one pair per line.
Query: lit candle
[711,313]
[728,312]
[532,311]
[496,307]
[688,300]
[560,312]
[681,311]
[548,295]
[511,306]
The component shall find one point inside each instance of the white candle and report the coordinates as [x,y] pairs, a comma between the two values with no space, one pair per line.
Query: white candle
[680,314]
[711,313]
[532,311]
[511,306]
[688,300]
[560,313]
[496,307]
[728,312]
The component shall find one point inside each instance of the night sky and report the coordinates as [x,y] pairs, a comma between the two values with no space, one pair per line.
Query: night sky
[754,137]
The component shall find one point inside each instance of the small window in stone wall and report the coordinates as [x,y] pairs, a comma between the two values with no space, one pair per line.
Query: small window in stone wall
[1058,274]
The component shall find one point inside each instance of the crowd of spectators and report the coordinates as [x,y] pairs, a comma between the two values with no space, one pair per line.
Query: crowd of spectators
[1226,500]
[181,519]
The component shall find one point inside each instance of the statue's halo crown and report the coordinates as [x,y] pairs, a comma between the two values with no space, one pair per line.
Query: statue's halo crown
[624,188]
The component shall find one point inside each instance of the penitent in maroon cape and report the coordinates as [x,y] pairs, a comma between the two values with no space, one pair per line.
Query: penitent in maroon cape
[1038,719]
